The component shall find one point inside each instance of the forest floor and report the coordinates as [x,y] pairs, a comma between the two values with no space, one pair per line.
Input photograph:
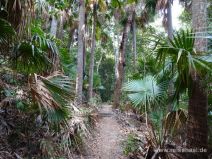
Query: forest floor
[112,129]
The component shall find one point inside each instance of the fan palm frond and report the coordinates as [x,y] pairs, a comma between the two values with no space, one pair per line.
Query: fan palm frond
[36,56]
[145,91]
[53,94]
[182,54]
[7,30]
[6,34]
[174,121]
[20,13]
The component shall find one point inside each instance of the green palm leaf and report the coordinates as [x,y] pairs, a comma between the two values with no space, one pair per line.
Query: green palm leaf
[145,91]
[7,31]
[36,56]
[6,34]
[180,51]
[53,94]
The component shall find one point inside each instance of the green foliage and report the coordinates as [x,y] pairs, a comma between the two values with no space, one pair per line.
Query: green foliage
[97,82]
[131,145]
[116,3]
[21,105]
[53,94]
[60,4]
[145,92]
[7,31]
[185,17]
[164,131]
[180,51]
[68,63]
[106,72]
[7,34]
[95,101]
[156,118]
[35,56]
[150,7]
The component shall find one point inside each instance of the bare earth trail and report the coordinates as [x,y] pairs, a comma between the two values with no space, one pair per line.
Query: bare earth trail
[107,143]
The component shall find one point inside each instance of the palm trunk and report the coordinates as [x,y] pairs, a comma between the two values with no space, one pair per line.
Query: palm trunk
[61,24]
[121,62]
[84,47]
[197,129]
[91,69]
[81,32]
[169,20]
[134,41]
[116,52]
[170,35]
[72,34]
[99,63]
[53,29]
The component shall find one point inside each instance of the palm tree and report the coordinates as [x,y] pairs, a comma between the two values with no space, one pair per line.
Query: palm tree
[134,40]
[187,63]
[91,69]
[197,131]
[165,7]
[121,62]
[145,92]
[80,60]
[54,23]
[6,35]
[39,55]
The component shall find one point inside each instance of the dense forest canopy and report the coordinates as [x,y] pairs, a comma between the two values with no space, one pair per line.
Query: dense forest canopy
[72,68]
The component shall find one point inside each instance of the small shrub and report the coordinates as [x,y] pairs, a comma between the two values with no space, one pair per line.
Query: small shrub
[131,146]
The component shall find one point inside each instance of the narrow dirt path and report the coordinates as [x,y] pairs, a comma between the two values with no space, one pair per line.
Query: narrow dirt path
[107,143]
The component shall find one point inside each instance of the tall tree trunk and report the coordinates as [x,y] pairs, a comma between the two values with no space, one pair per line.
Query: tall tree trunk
[169,20]
[197,129]
[61,24]
[91,69]
[53,29]
[170,35]
[121,62]
[116,52]
[73,34]
[134,40]
[81,32]
[85,44]
[99,63]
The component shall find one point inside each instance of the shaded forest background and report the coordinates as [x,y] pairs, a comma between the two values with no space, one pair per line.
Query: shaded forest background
[60,59]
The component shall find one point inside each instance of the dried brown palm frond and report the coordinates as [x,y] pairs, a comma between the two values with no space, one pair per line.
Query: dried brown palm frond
[162,4]
[52,94]
[164,138]
[20,13]
[174,121]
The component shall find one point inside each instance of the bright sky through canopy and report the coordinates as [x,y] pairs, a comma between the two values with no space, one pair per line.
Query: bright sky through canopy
[176,11]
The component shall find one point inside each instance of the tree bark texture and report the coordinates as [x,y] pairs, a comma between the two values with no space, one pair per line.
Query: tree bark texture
[134,40]
[197,128]
[93,43]
[169,20]
[53,29]
[121,61]
[81,32]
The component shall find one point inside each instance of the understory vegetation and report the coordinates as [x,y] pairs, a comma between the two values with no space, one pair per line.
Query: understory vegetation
[61,59]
